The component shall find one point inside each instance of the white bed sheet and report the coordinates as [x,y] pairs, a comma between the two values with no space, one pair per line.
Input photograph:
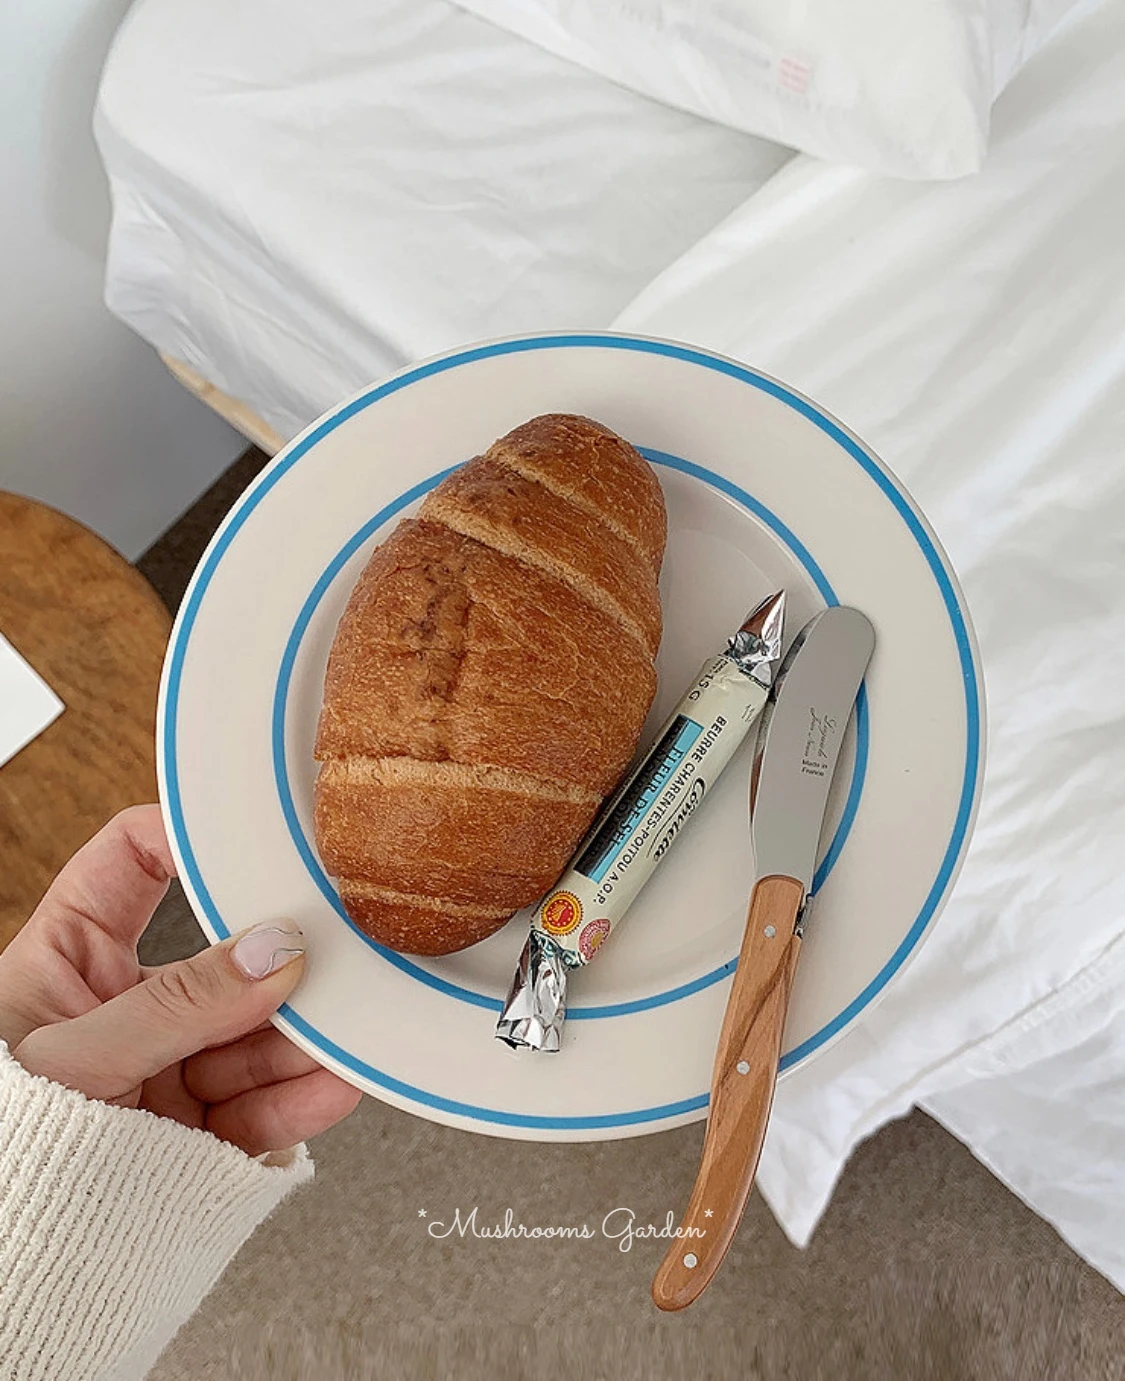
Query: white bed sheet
[974,334]
[307,197]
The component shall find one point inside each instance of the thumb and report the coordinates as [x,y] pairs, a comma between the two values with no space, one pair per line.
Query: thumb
[210,999]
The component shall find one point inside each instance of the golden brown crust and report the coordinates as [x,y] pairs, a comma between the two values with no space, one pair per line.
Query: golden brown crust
[471,834]
[593,467]
[451,651]
[413,925]
[488,683]
[522,519]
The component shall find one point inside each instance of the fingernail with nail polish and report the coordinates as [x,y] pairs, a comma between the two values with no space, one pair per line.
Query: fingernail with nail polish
[267,948]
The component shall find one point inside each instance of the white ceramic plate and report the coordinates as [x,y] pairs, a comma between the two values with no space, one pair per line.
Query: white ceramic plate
[764,491]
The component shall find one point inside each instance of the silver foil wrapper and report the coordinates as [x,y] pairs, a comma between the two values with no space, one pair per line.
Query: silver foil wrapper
[535,1008]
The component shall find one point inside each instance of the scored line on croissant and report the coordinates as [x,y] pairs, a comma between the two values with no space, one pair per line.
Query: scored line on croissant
[488,683]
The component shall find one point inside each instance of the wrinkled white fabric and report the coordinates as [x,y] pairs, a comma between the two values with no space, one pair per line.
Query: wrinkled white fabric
[307,197]
[974,334]
[900,87]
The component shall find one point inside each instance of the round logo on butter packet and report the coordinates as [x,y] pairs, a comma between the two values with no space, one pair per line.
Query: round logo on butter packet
[593,933]
[562,913]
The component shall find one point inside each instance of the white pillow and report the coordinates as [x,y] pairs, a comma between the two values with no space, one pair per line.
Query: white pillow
[902,87]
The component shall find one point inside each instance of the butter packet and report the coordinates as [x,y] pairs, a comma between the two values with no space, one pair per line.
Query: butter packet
[640,825]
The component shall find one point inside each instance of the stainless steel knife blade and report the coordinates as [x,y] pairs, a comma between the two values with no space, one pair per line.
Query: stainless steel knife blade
[800,737]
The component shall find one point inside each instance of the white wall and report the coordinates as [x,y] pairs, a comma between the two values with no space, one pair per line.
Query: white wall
[90,421]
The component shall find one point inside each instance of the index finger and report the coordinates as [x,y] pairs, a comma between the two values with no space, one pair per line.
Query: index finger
[114,882]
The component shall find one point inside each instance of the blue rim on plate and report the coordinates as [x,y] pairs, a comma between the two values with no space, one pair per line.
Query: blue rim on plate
[875,471]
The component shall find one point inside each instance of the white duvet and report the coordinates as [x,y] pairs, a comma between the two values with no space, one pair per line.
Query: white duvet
[308,197]
[974,334]
[292,230]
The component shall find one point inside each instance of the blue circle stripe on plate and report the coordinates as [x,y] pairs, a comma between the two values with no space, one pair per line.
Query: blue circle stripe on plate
[305,848]
[883,481]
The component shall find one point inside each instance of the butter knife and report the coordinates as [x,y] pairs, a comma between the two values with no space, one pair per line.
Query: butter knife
[799,745]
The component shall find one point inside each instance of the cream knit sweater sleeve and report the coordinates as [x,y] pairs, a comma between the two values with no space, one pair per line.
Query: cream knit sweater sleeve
[114,1224]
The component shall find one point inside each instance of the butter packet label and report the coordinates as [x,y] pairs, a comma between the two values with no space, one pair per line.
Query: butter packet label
[640,824]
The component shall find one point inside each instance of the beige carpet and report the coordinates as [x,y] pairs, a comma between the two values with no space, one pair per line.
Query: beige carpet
[924,1269]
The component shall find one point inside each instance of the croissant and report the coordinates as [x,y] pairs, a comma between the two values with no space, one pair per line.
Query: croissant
[488,683]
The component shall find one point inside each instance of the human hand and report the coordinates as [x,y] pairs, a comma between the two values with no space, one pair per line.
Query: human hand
[190,1041]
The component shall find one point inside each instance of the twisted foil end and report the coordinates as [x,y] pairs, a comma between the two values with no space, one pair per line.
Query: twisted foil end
[535,1009]
[756,648]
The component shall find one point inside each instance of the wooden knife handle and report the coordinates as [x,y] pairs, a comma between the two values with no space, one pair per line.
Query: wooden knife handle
[741,1093]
